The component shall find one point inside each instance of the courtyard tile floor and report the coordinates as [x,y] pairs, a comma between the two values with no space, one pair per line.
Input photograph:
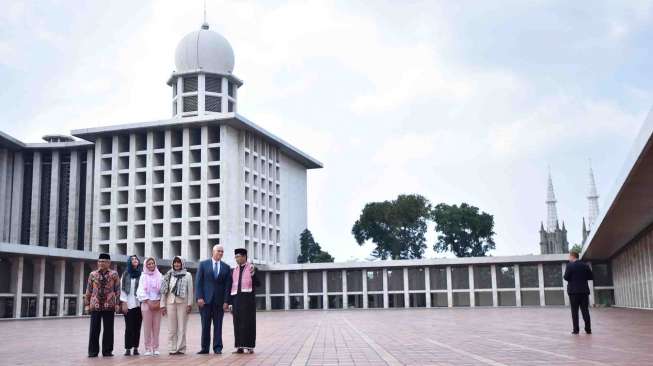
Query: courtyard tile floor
[480,336]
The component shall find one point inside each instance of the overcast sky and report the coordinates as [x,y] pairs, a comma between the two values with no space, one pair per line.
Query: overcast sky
[461,101]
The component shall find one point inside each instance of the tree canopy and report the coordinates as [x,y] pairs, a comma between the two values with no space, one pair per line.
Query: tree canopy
[310,250]
[397,227]
[463,230]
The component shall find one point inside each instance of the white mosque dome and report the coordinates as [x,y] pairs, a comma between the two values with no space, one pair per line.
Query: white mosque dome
[204,50]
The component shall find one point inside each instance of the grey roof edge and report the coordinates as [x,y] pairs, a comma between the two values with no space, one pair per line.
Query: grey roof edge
[58,145]
[71,254]
[232,119]
[644,138]
[176,74]
[516,259]
[10,141]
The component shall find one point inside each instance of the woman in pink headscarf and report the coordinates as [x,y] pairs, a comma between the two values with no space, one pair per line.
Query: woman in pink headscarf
[149,293]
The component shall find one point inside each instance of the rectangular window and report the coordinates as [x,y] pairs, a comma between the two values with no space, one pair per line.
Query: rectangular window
[213,103]
[213,84]
[190,103]
[190,84]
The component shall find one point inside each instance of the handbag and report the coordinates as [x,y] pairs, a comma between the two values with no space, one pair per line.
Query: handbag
[154,305]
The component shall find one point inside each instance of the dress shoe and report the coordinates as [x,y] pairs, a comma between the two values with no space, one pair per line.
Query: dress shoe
[218,352]
[239,350]
[92,355]
[575,332]
[108,354]
[136,351]
[128,352]
[588,331]
[203,352]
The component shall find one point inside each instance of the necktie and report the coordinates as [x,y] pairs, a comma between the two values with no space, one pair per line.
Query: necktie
[215,269]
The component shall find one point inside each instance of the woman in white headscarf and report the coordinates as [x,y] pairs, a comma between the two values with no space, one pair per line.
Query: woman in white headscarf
[177,302]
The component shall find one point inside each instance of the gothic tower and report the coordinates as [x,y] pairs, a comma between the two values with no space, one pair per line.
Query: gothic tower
[554,239]
[592,205]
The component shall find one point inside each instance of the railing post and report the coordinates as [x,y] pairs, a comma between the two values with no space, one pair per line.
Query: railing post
[345,300]
[540,278]
[427,286]
[449,288]
[517,285]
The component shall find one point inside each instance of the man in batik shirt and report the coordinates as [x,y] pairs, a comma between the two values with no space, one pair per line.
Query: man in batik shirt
[102,301]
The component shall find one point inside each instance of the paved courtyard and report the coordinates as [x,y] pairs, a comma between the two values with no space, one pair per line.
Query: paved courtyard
[480,336]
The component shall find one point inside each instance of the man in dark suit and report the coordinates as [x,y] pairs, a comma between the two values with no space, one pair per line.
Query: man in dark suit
[212,288]
[577,274]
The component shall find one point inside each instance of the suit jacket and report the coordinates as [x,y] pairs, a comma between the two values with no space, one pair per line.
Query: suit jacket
[211,288]
[577,274]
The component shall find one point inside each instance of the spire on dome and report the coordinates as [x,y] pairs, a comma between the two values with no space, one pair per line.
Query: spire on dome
[552,211]
[205,24]
[592,199]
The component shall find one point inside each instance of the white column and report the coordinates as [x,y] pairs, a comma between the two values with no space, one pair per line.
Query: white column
[540,276]
[345,300]
[517,285]
[472,298]
[53,224]
[185,193]
[149,164]
[204,176]
[564,285]
[35,211]
[60,285]
[17,198]
[406,295]
[385,288]
[113,235]
[73,200]
[427,286]
[286,289]
[78,285]
[97,159]
[88,200]
[268,300]
[495,293]
[201,107]
[5,193]
[180,105]
[365,299]
[39,284]
[131,210]
[305,288]
[167,172]
[325,289]
[17,265]
[449,288]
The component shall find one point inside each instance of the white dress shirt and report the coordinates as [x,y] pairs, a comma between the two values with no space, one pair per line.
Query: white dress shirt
[213,265]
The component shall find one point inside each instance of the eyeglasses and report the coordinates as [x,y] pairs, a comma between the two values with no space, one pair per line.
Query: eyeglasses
[220,251]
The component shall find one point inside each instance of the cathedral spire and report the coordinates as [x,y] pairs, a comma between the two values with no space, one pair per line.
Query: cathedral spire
[552,211]
[592,200]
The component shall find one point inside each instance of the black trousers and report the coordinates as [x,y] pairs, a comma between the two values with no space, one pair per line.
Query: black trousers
[99,319]
[212,313]
[581,301]
[133,321]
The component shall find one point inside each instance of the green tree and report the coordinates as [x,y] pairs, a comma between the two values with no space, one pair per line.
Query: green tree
[397,227]
[463,230]
[310,250]
[577,248]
